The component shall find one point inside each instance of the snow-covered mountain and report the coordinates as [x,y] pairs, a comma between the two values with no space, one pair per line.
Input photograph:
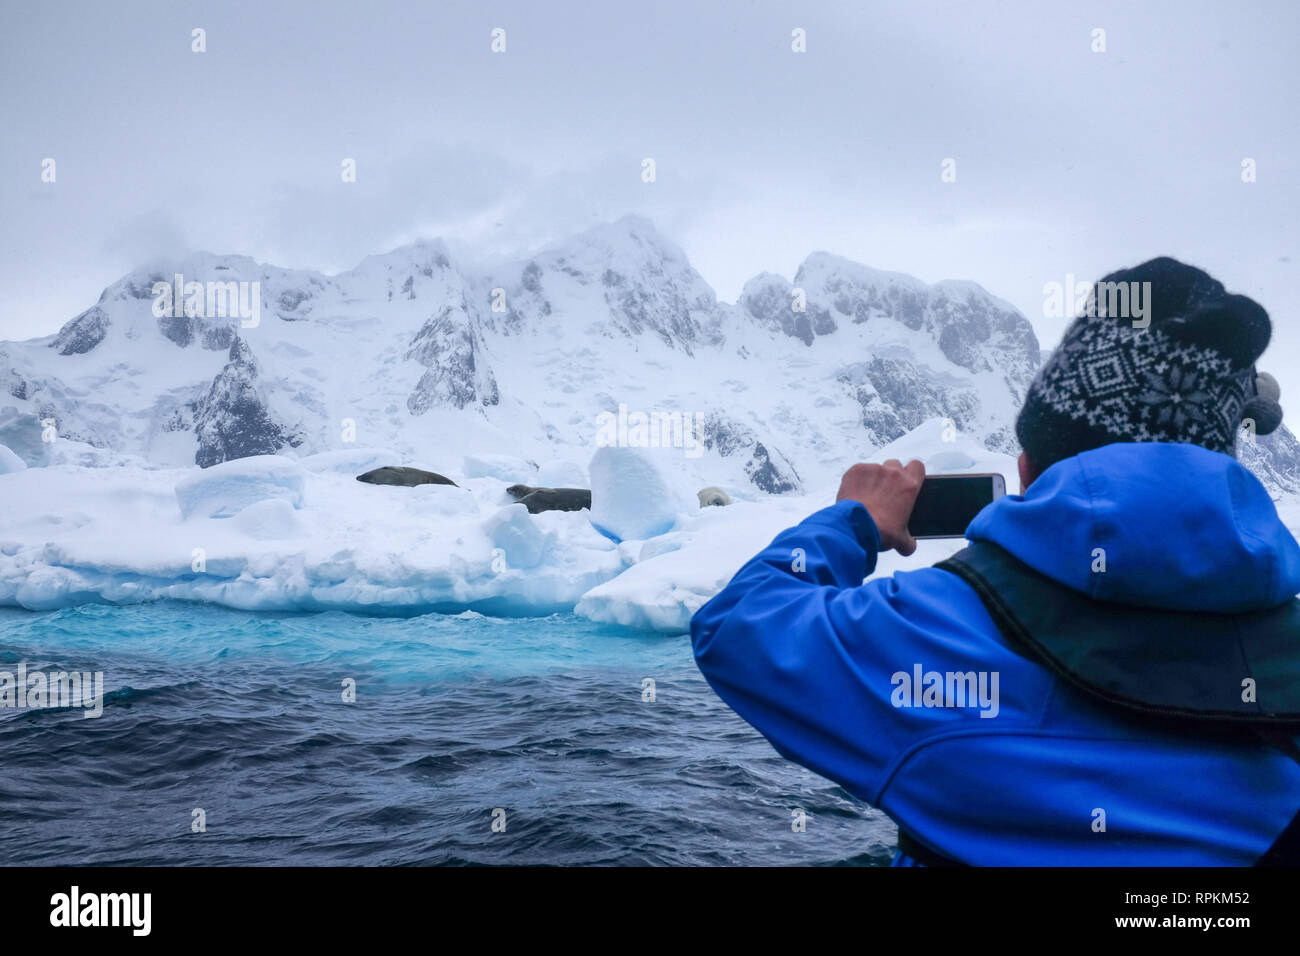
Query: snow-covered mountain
[435,360]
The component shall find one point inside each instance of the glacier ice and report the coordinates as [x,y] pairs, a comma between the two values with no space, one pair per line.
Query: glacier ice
[226,489]
[633,493]
[9,462]
[303,539]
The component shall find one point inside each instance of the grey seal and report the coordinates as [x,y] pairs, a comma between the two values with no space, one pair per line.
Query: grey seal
[537,500]
[404,476]
[713,497]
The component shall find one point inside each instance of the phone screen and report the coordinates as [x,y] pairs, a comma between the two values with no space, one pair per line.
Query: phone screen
[948,503]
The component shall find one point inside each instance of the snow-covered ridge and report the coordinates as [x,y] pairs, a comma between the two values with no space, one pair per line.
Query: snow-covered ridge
[411,351]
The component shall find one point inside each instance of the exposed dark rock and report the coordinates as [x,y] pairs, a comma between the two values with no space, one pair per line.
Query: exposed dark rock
[142,287]
[448,346]
[83,333]
[232,420]
[769,471]
[532,277]
[11,381]
[179,328]
[1274,459]
[771,299]
[175,421]
[218,337]
[896,395]
[287,303]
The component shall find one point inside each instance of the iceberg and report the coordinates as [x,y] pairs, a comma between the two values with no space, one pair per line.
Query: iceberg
[274,533]
[633,495]
[10,462]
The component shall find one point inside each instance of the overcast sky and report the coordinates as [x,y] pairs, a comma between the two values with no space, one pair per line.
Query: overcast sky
[1068,161]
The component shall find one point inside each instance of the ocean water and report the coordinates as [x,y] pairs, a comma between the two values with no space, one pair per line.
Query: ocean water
[241,715]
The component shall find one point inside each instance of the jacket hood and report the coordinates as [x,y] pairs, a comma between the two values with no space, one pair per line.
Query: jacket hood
[1174,526]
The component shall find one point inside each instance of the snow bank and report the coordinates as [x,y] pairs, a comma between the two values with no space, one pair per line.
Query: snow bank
[944,450]
[227,489]
[435,501]
[521,541]
[678,572]
[350,461]
[562,474]
[505,468]
[270,519]
[9,462]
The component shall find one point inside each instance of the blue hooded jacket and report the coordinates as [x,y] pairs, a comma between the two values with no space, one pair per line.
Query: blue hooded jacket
[822,665]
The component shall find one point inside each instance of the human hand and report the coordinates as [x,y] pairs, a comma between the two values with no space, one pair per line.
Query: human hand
[888,492]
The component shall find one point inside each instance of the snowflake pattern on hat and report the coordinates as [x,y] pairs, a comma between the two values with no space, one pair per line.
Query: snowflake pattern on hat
[1141,384]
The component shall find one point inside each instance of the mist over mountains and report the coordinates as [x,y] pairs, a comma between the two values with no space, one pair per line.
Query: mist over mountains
[416,353]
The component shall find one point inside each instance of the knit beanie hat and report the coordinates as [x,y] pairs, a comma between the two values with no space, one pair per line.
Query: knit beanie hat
[1168,361]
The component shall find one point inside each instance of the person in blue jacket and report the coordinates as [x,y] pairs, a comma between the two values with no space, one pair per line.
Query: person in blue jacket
[1090,696]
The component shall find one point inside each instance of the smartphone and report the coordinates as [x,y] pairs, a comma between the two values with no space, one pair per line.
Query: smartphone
[948,503]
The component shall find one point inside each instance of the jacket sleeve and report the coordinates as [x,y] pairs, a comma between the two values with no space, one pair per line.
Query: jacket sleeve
[800,648]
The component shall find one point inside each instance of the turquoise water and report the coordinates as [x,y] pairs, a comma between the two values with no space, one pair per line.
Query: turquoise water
[241,716]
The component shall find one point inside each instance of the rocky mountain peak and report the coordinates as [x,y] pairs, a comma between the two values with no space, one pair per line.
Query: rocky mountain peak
[413,350]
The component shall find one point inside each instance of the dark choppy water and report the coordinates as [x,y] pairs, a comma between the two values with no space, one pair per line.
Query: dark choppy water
[242,715]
